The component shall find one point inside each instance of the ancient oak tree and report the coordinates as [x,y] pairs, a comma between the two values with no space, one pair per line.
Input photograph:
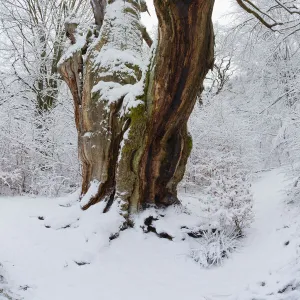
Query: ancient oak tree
[132,117]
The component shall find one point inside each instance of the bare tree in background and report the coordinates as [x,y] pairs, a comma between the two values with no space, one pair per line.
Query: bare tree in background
[278,15]
[33,42]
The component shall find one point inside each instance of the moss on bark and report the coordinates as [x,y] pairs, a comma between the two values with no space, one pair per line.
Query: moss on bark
[139,154]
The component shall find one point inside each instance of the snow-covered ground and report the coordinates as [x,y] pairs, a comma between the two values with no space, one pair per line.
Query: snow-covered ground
[53,252]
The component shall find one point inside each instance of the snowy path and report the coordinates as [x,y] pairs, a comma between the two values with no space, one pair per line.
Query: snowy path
[264,249]
[40,261]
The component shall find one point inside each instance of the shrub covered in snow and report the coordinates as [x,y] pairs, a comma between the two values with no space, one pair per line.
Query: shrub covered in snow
[226,206]
[5,293]
[227,201]
[38,153]
[214,246]
[219,173]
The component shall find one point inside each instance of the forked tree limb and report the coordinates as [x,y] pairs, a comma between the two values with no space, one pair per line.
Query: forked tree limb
[258,14]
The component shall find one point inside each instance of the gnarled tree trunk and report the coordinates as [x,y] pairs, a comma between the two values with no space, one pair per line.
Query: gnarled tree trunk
[132,120]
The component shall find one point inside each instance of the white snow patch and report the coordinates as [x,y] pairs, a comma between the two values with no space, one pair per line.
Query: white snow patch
[80,43]
[110,56]
[92,191]
[78,262]
[88,134]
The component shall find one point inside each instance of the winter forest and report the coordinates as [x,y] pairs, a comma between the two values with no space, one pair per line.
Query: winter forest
[150,149]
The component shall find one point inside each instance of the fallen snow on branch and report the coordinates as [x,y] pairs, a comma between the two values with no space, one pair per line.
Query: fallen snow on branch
[113,91]
[80,43]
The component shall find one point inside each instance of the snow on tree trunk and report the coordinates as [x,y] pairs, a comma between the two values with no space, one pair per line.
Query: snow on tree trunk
[131,118]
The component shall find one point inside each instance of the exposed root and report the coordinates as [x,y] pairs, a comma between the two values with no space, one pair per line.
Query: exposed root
[288,287]
[81,263]
[126,225]
[150,228]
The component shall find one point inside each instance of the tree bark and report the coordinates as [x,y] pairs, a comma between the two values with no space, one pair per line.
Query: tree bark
[99,11]
[134,153]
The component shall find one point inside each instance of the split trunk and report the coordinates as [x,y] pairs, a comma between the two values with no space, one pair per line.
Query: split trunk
[132,119]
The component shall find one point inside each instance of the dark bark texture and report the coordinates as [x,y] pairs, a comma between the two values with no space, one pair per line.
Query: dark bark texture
[144,166]
[183,57]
